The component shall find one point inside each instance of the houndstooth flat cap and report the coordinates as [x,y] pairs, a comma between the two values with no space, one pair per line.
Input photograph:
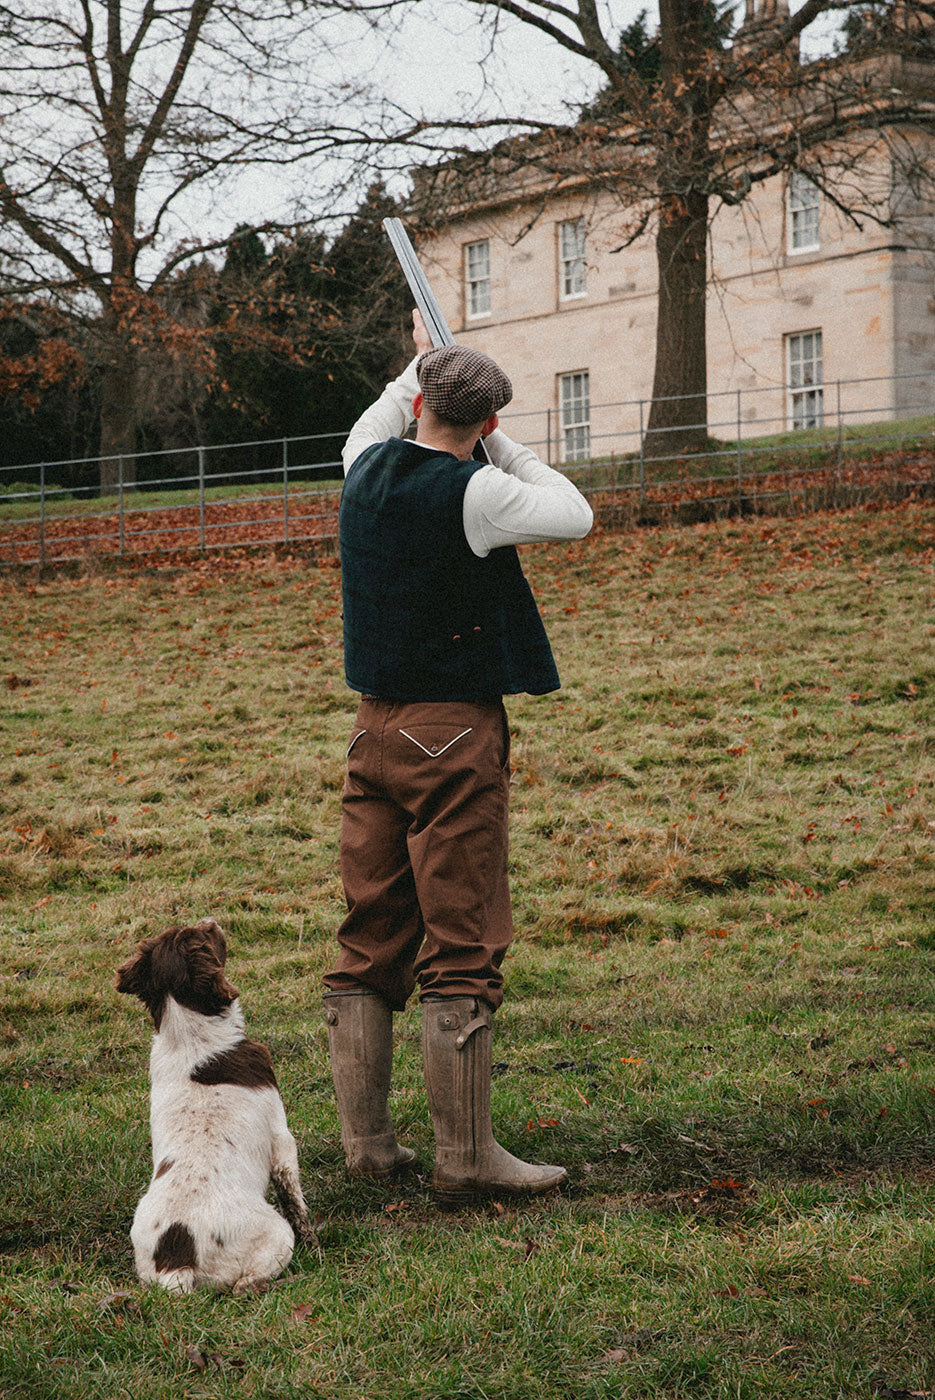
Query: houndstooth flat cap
[462,386]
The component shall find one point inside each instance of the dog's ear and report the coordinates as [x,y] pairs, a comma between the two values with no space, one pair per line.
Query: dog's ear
[136,977]
[134,973]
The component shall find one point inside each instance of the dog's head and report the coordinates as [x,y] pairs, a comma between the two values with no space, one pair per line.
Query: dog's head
[184,963]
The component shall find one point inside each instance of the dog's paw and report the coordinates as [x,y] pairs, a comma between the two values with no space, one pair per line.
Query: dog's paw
[306,1233]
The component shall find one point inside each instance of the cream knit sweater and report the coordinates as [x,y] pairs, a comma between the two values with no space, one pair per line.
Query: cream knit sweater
[515,500]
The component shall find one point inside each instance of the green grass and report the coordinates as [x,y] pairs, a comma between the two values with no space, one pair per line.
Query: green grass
[60,502]
[720,1010]
[916,432]
[860,444]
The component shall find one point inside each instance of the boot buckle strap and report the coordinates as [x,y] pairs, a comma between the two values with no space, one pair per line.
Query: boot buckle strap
[469,1029]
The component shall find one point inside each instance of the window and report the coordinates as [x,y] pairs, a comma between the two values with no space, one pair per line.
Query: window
[806,394]
[803,213]
[571,238]
[574,397]
[477,277]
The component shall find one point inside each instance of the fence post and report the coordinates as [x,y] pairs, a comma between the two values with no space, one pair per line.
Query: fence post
[120,497]
[201,495]
[840,441]
[739,454]
[42,516]
[642,463]
[285,488]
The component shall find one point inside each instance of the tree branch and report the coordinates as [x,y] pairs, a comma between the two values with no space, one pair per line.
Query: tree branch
[197,16]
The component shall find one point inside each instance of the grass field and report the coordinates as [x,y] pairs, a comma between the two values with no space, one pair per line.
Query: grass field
[856,446]
[64,503]
[720,1003]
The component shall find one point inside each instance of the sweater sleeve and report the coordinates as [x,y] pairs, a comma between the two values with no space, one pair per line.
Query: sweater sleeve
[390,416]
[515,500]
[519,500]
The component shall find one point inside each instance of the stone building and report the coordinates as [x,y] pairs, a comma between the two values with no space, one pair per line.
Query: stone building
[811,318]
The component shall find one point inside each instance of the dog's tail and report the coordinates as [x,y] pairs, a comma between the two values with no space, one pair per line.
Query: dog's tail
[176,1259]
[177,1280]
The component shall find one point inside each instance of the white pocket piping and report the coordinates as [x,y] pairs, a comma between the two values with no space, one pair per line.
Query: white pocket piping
[354,741]
[437,753]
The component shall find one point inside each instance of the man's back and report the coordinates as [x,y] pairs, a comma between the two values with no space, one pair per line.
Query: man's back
[424,617]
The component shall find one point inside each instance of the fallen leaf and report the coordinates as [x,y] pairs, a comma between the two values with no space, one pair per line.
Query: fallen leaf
[859,1279]
[725,1186]
[302,1313]
[197,1357]
[123,1300]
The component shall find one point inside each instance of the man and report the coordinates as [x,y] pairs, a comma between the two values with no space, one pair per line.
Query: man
[439,624]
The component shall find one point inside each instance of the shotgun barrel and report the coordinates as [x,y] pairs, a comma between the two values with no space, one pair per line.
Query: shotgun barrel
[424,298]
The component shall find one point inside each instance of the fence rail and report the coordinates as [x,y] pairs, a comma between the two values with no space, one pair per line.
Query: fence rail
[206,497]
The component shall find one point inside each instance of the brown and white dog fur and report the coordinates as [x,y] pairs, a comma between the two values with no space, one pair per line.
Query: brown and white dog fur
[218,1126]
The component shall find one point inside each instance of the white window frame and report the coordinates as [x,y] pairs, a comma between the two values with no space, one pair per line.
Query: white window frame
[803,201]
[572,268]
[477,299]
[574,412]
[805,379]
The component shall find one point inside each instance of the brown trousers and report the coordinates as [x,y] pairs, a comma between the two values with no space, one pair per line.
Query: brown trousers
[424,851]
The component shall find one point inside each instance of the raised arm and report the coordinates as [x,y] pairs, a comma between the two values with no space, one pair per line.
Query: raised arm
[391,415]
[520,500]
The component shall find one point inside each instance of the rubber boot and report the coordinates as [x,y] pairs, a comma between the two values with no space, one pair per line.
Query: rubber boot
[456,1051]
[360,1043]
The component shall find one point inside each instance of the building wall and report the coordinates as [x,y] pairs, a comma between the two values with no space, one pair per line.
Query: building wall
[872,300]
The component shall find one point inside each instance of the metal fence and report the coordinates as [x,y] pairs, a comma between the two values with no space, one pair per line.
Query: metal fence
[284,491]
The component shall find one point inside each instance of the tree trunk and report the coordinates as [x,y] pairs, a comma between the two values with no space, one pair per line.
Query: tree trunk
[678,419]
[118,419]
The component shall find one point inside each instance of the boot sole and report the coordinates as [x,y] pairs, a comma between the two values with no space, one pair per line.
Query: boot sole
[452,1197]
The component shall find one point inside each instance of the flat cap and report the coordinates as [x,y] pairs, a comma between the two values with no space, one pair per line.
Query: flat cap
[462,386]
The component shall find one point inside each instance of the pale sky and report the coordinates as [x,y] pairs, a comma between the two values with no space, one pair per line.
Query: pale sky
[440,62]
[447,54]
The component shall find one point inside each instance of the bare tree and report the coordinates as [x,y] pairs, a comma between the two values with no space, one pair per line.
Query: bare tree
[698,115]
[113,113]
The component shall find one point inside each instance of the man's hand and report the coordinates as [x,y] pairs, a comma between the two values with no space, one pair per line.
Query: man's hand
[421,337]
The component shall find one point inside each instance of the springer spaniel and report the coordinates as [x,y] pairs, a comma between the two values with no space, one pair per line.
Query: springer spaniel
[218,1126]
